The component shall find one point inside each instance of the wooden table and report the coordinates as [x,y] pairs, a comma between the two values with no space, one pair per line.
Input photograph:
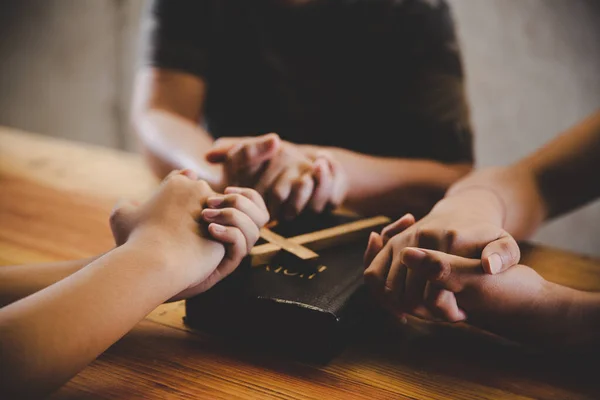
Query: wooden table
[55,198]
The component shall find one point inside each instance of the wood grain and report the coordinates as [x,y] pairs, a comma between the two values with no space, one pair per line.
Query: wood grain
[42,221]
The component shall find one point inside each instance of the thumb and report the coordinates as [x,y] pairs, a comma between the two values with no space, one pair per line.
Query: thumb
[500,254]
[450,272]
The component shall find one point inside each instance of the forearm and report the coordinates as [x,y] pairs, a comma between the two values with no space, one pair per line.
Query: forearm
[19,281]
[393,186]
[550,315]
[566,169]
[55,332]
[173,142]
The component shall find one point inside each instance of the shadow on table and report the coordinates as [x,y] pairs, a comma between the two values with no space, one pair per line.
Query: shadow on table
[433,351]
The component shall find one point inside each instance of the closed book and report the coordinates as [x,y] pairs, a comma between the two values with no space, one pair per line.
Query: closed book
[307,309]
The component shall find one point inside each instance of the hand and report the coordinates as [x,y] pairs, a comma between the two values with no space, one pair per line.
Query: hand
[235,219]
[452,227]
[243,158]
[517,303]
[289,179]
[169,222]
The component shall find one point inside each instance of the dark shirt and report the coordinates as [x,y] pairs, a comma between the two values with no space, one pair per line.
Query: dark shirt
[381,77]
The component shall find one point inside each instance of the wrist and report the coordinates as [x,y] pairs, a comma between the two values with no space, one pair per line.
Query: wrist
[481,201]
[583,318]
[160,256]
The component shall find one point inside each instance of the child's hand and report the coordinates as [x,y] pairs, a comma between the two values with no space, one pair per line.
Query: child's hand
[289,179]
[168,225]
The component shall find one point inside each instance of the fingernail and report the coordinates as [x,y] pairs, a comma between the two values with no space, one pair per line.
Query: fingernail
[413,256]
[214,201]
[210,213]
[233,189]
[217,227]
[495,262]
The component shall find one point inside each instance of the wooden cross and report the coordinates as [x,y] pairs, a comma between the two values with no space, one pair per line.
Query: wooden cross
[304,246]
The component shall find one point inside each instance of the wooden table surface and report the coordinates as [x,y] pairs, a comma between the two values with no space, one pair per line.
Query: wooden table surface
[55,197]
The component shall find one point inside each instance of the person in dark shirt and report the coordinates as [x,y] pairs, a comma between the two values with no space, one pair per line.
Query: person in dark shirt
[366,97]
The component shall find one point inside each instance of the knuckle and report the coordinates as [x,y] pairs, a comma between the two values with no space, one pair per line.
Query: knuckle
[202,184]
[246,153]
[233,200]
[116,216]
[424,236]
[252,194]
[177,180]
[239,236]
[371,277]
[450,239]
[230,214]
[440,269]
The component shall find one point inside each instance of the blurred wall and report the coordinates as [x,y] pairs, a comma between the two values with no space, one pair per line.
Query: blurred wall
[67,66]
[533,69]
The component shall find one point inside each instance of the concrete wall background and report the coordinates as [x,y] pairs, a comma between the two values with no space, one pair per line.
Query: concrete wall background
[533,70]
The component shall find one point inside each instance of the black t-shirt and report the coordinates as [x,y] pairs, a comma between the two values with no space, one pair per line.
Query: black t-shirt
[381,77]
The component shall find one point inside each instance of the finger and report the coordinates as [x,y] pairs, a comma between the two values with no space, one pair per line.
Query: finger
[302,188]
[397,227]
[252,151]
[376,273]
[269,175]
[258,215]
[246,158]
[447,271]
[323,185]
[340,182]
[280,192]
[237,170]
[414,290]
[234,218]
[374,246]
[500,254]
[396,283]
[235,246]
[442,304]
[251,194]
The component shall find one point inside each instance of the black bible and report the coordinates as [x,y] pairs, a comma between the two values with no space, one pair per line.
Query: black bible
[304,308]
